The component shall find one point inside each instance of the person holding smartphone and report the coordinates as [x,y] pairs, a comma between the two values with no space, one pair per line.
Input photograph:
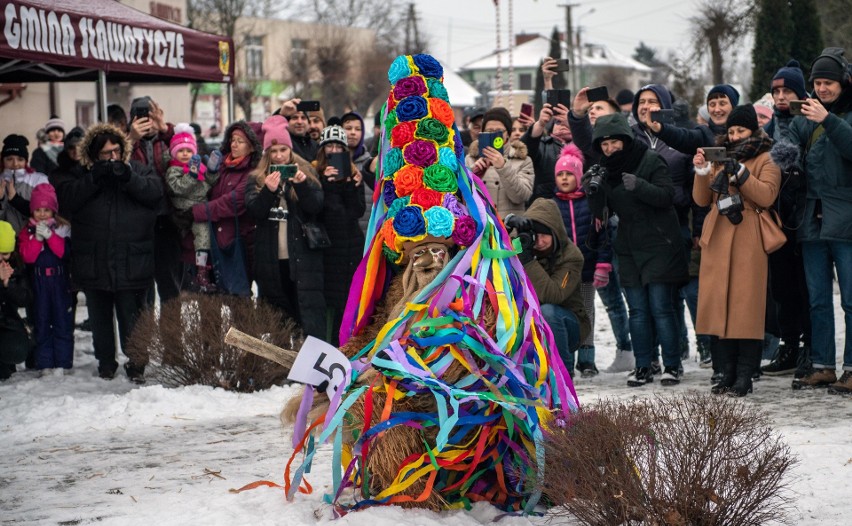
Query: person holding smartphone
[507,173]
[299,129]
[343,205]
[824,134]
[721,100]
[289,275]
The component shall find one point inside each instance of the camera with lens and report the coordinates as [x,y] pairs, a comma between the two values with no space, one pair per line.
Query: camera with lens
[524,228]
[595,176]
[278,214]
[110,172]
[729,204]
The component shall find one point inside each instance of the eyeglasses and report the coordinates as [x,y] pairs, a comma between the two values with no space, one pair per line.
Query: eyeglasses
[238,140]
[113,153]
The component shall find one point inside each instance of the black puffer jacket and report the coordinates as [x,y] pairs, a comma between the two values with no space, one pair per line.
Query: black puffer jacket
[343,205]
[306,265]
[113,224]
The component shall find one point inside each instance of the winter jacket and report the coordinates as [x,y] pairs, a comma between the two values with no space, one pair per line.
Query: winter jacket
[544,152]
[45,158]
[511,186]
[688,141]
[154,153]
[67,170]
[185,190]
[226,200]
[113,223]
[17,210]
[343,205]
[30,246]
[827,155]
[556,278]
[733,273]
[306,265]
[580,227]
[581,136]
[649,246]
[304,146]
[13,333]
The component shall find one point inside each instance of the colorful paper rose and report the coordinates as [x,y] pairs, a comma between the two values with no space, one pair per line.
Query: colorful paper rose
[389,235]
[439,222]
[426,198]
[397,205]
[388,192]
[432,129]
[439,177]
[447,157]
[437,89]
[393,161]
[408,179]
[442,111]
[399,68]
[420,153]
[409,222]
[428,66]
[402,134]
[391,120]
[464,232]
[414,85]
[452,204]
[413,108]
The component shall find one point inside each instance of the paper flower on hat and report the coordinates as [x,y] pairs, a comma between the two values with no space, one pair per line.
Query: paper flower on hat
[478,316]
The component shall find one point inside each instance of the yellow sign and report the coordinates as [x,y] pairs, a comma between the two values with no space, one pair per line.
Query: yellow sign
[224,57]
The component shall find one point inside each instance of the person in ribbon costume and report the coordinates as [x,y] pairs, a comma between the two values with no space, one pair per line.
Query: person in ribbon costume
[455,372]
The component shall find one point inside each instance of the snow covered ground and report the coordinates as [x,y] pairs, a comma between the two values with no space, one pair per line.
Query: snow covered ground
[80,450]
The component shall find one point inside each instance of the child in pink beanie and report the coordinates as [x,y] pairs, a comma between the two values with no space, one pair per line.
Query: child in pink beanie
[189,183]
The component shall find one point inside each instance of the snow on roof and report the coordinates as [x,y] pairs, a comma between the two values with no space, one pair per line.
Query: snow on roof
[530,53]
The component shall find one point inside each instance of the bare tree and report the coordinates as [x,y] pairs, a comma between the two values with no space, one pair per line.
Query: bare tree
[386,17]
[721,25]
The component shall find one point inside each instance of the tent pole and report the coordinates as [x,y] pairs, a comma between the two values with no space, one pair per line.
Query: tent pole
[230,104]
[102,95]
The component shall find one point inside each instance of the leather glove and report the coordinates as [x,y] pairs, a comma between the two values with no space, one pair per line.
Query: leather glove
[122,173]
[43,232]
[183,218]
[602,271]
[527,242]
[737,173]
[629,181]
[518,222]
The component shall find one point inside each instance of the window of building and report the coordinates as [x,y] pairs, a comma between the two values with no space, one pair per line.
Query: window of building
[254,57]
[84,113]
[525,81]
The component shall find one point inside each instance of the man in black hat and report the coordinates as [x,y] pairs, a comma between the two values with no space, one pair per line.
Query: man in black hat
[473,125]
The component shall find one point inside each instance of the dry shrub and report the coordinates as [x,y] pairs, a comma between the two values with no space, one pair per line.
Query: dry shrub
[685,460]
[185,340]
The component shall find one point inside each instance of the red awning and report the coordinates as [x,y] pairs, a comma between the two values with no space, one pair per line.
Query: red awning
[48,40]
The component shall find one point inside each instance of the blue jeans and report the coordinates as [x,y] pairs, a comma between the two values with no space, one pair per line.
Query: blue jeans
[652,312]
[566,332]
[820,258]
[614,302]
[689,293]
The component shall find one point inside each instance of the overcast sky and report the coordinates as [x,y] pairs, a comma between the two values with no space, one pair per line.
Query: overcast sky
[620,24]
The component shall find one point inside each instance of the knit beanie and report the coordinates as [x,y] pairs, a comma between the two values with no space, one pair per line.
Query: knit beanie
[624,96]
[791,77]
[727,90]
[44,196]
[15,145]
[500,115]
[73,138]
[54,123]
[184,137]
[570,160]
[319,113]
[744,116]
[7,238]
[764,106]
[334,133]
[703,113]
[831,65]
[275,132]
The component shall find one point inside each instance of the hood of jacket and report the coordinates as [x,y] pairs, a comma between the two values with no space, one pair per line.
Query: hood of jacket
[251,134]
[358,150]
[99,129]
[546,212]
[614,125]
[660,91]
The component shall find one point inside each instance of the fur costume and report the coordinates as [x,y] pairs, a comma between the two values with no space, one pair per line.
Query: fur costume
[454,371]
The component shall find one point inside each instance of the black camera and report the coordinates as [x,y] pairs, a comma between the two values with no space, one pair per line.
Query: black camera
[524,227]
[595,176]
[729,204]
[527,240]
[278,214]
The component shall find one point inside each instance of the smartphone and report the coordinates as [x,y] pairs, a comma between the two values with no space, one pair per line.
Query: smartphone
[308,105]
[562,64]
[492,139]
[796,107]
[596,94]
[715,154]
[342,162]
[527,109]
[140,112]
[663,116]
[287,171]
[558,96]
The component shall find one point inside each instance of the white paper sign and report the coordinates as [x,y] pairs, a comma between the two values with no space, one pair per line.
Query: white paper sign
[321,365]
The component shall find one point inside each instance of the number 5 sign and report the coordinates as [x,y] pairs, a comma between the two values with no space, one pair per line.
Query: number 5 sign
[321,365]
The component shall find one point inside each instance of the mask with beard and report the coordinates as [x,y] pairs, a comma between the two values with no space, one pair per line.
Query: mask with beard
[426,262]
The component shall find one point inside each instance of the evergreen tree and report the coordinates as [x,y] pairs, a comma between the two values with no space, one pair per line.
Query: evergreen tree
[808,30]
[539,86]
[559,81]
[836,19]
[773,37]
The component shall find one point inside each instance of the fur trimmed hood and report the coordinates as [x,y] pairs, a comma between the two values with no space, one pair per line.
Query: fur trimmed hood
[94,131]
[254,135]
[517,150]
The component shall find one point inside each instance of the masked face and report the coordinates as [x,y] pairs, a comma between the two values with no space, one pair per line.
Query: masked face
[429,256]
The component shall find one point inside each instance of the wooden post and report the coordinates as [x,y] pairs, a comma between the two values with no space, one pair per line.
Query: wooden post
[244,342]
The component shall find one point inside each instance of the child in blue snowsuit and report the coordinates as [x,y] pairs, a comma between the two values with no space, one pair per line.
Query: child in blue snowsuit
[42,244]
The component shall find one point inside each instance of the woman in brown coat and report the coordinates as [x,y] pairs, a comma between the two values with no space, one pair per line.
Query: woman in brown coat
[733,273]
